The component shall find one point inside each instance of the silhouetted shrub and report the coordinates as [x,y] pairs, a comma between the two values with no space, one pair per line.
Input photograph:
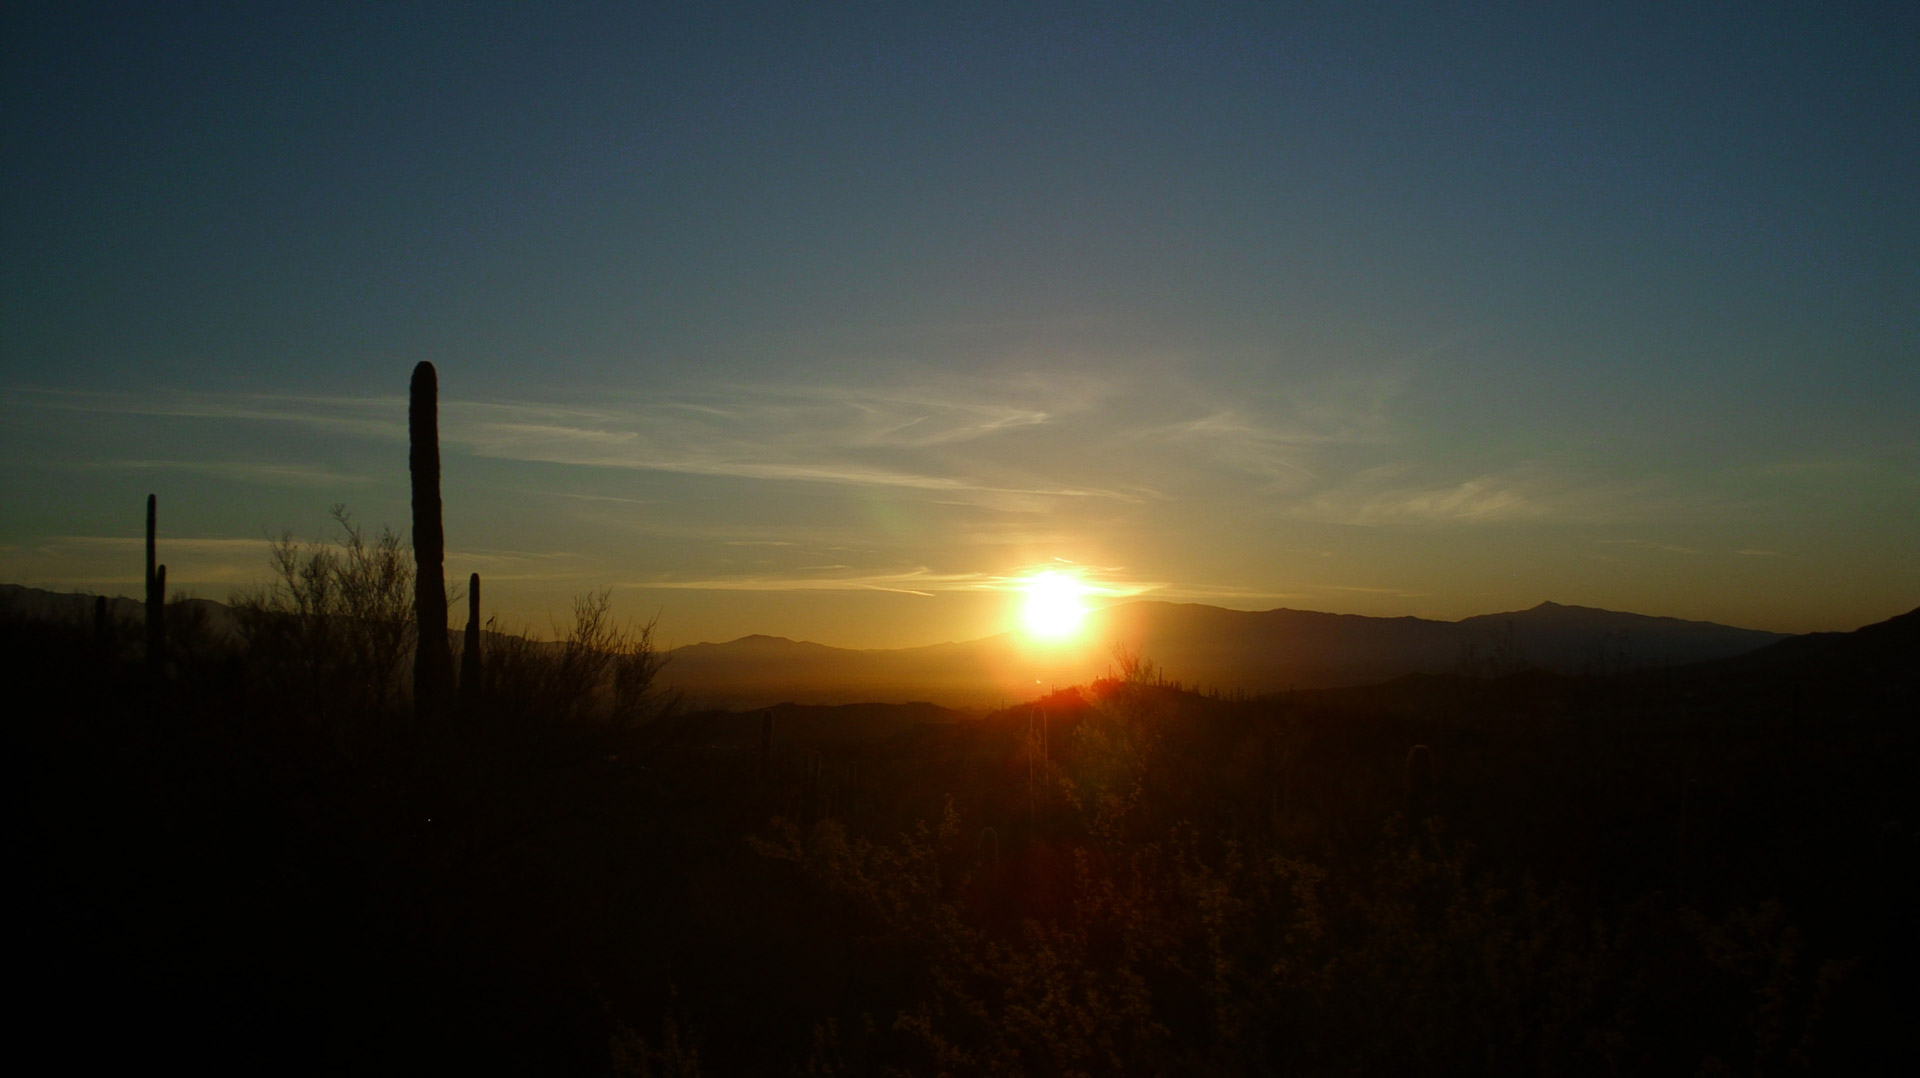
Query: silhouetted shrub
[335,628]
[599,673]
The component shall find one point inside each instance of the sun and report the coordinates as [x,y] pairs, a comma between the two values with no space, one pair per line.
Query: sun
[1053,610]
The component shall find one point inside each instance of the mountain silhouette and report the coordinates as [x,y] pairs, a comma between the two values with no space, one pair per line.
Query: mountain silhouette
[1208,647]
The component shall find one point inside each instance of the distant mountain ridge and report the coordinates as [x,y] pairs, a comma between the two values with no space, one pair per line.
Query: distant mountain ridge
[1205,646]
[1209,646]
[40,604]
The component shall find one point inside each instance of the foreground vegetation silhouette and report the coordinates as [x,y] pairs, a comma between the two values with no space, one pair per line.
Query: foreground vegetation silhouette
[252,850]
[261,858]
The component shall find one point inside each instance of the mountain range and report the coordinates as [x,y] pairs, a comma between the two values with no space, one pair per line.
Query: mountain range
[1206,647]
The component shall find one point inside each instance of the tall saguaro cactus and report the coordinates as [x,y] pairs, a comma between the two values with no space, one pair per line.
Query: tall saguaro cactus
[432,657]
[156,590]
[471,672]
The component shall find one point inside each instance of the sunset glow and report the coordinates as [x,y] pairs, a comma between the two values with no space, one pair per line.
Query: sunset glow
[1055,605]
[846,329]
[1252,537]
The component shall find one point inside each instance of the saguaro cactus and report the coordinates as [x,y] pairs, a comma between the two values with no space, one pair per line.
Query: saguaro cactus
[432,656]
[471,673]
[766,745]
[156,590]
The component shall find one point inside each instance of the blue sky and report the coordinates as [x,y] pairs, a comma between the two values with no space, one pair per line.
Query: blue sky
[830,322]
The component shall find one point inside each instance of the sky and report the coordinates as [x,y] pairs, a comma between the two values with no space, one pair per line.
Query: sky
[836,321]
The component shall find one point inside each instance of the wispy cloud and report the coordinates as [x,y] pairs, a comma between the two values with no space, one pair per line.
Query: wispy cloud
[383,418]
[1015,443]
[60,543]
[1479,500]
[919,580]
[606,498]
[809,435]
[922,582]
[1411,494]
[520,565]
[116,560]
[111,562]
[1648,544]
[1225,593]
[1243,445]
[851,435]
[1284,444]
[294,475]
[1889,467]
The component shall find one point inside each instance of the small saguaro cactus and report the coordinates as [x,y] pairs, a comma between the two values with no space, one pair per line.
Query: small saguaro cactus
[156,590]
[432,656]
[472,675]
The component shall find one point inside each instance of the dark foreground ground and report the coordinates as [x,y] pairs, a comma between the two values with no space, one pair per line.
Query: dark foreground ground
[239,863]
